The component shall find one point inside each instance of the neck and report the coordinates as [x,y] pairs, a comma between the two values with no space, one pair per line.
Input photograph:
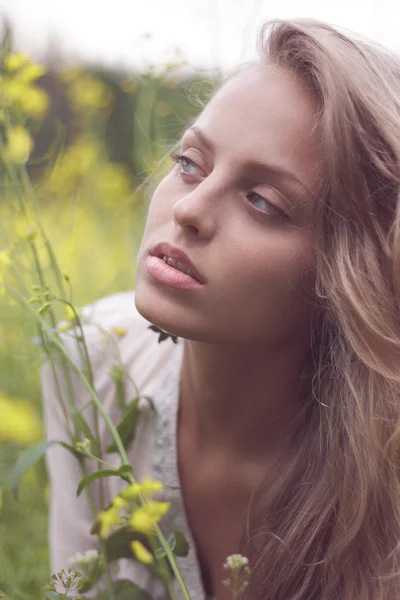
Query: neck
[240,401]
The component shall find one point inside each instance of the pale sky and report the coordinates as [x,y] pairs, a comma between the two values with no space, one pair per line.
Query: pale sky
[209,33]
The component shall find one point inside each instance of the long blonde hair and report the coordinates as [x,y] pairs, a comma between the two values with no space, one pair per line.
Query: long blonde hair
[327,527]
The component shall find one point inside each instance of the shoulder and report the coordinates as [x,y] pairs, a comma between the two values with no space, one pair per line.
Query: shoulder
[116,334]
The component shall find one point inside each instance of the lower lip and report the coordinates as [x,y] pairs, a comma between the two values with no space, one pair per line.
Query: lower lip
[164,273]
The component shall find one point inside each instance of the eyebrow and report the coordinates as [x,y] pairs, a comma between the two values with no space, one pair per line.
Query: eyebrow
[255,166]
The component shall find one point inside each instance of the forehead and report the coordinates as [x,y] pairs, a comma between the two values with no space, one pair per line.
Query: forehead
[267,114]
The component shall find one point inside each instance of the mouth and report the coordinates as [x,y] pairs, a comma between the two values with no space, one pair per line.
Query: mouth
[179,266]
[177,259]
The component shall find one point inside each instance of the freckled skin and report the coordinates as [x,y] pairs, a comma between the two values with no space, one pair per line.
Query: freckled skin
[258,268]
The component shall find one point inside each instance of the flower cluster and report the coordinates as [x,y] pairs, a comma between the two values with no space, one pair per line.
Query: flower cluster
[22,97]
[125,511]
[239,573]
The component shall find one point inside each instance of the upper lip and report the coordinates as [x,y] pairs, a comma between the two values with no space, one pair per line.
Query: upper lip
[165,249]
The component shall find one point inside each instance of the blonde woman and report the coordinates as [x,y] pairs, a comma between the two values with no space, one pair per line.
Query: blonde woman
[270,257]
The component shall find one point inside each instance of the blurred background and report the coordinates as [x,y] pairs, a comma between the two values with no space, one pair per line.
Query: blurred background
[122,79]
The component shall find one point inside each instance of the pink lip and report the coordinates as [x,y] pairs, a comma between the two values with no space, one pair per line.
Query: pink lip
[165,249]
[168,275]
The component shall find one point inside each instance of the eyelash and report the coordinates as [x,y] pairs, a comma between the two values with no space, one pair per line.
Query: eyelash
[180,159]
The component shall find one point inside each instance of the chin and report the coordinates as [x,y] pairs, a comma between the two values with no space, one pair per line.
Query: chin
[168,318]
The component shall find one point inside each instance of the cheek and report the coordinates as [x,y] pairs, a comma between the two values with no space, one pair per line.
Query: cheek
[272,277]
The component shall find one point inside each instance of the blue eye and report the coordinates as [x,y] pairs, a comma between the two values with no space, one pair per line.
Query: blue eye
[183,160]
[272,209]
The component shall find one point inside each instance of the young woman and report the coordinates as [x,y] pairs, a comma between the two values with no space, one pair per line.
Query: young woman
[271,251]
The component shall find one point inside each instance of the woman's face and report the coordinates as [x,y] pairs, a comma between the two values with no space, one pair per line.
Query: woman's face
[238,207]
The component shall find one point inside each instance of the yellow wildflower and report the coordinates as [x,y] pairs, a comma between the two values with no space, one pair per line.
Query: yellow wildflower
[34,101]
[13,62]
[19,145]
[13,90]
[118,503]
[19,421]
[147,488]
[89,92]
[70,319]
[141,521]
[141,553]
[108,518]
[64,326]
[146,516]
[70,313]
[30,72]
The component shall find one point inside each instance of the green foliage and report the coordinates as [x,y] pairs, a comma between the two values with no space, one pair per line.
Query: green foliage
[27,460]
[127,426]
[121,472]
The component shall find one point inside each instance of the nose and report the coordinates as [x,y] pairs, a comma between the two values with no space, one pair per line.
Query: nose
[196,213]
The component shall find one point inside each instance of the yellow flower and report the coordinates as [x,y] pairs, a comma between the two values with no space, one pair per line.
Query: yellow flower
[13,62]
[147,488]
[19,145]
[19,421]
[89,92]
[64,326]
[34,101]
[146,516]
[13,90]
[30,72]
[70,313]
[108,518]
[141,521]
[119,504]
[141,553]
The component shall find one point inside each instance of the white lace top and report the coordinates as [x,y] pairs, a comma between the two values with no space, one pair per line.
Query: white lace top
[154,367]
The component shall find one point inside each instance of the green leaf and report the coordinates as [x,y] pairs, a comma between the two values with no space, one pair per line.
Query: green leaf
[117,545]
[94,476]
[77,453]
[181,547]
[124,471]
[124,590]
[127,426]
[27,460]
[178,544]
